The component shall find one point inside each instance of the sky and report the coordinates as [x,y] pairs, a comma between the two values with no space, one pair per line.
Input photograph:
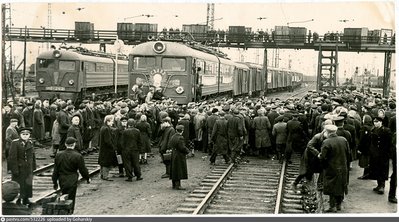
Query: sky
[326,16]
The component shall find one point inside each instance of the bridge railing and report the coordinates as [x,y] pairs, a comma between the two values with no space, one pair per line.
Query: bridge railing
[206,38]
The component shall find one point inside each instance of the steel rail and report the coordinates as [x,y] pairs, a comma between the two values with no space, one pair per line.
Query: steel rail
[208,198]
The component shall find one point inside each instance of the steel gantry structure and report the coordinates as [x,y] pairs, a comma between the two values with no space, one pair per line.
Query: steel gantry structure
[328,64]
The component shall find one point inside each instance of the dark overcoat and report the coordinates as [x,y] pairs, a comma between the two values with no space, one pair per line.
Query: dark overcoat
[167,133]
[295,136]
[67,163]
[186,132]
[379,148]
[262,126]
[145,133]
[310,163]
[38,124]
[178,165]
[10,135]
[107,155]
[235,129]
[63,122]
[364,145]
[334,159]
[74,131]
[22,163]
[219,136]
[28,116]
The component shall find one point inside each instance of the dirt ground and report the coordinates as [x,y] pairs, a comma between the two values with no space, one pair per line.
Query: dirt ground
[155,196]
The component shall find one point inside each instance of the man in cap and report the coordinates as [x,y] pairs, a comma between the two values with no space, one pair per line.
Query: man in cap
[219,138]
[28,114]
[10,191]
[22,162]
[296,137]
[131,142]
[210,122]
[334,157]
[236,131]
[63,124]
[380,144]
[67,163]
[178,164]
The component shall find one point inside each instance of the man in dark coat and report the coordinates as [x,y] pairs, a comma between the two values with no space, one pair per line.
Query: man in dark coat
[107,156]
[235,131]
[341,131]
[219,138]
[295,137]
[22,162]
[88,125]
[131,143]
[17,114]
[167,131]
[28,114]
[178,164]
[67,163]
[63,124]
[334,159]
[379,149]
[210,122]
[74,131]
[120,146]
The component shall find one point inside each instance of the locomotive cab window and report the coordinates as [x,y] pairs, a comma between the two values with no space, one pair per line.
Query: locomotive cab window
[174,64]
[46,63]
[141,62]
[67,65]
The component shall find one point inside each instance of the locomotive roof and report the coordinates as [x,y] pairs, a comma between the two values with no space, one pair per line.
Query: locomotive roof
[72,55]
[179,49]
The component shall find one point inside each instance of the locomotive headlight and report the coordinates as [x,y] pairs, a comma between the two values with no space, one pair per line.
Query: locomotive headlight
[71,82]
[41,80]
[159,47]
[180,90]
[57,54]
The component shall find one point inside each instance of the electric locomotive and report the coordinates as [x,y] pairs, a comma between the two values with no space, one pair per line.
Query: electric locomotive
[79,74]
[187,73]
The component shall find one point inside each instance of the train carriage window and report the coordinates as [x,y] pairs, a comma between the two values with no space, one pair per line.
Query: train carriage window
[45,63]
[90,67]
[67,65]
[141,62]
[174,64]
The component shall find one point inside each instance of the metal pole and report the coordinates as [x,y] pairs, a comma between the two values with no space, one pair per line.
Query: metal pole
[116,68]
[24,68]
[387,74]
[265,74]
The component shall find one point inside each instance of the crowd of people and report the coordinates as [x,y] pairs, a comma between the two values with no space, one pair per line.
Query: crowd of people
[329,129]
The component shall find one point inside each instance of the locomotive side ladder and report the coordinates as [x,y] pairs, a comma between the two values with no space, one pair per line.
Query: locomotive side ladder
[327,69]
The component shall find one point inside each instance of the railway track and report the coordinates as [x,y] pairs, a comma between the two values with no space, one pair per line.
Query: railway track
[257,187]
[42,181]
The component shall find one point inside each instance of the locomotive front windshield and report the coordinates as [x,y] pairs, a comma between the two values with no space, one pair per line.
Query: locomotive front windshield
[46,63]
[62,65]
[67,65]
[141,62]
[174,64]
